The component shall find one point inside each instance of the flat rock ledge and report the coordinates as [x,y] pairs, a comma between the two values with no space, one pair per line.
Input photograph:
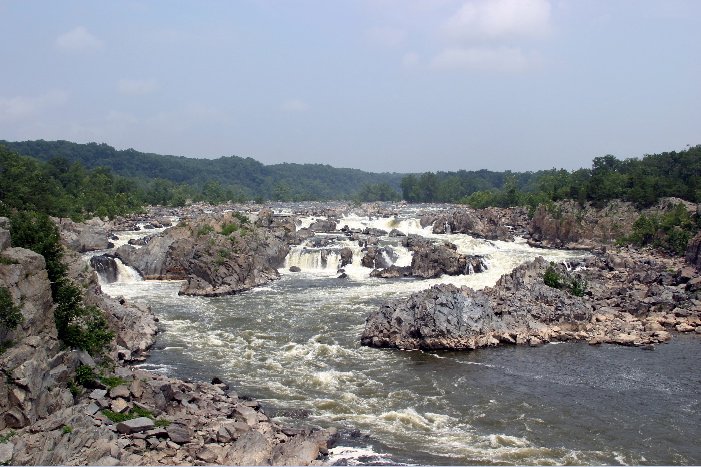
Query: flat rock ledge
[632,298]
[188,424]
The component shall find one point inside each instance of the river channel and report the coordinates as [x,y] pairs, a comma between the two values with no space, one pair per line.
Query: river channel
[294,345]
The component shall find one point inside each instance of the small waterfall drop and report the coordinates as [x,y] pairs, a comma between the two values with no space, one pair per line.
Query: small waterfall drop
[126,273]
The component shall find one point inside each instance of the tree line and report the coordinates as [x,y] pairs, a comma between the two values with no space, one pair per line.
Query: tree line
[642,181]
[172,179]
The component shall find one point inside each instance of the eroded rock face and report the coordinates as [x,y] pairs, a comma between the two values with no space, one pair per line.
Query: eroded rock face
[437,260]
[693,252]
[216,255]
[485,223]
[447,317]
[568,224]
[631,299]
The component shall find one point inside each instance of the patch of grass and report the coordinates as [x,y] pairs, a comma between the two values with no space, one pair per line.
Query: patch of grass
[4,260]
[6,437]
[112,381]
[116,417]
[162,422]
[66,430]
[123,417]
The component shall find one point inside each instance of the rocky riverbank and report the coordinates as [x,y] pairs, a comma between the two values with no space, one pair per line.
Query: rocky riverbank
[62,407]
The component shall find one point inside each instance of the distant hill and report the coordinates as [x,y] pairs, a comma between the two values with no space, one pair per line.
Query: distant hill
[246,175]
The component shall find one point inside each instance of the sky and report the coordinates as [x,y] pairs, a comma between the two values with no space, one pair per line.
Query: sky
[378,85]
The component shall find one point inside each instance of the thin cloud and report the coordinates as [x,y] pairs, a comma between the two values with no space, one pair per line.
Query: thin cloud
[483,21]
[78,40]
[135,87]
[485,59]
[294,105]
[14,109]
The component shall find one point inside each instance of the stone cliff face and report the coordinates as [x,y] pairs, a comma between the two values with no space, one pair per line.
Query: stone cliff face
[216,255]
[567,224]
[36,368]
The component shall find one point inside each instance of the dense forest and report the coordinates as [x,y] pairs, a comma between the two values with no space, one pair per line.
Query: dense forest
[76,180]
[172,179]
[642,181]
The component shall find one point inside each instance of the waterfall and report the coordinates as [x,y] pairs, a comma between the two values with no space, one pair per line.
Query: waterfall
[313,259]
[447,228]
[126,273]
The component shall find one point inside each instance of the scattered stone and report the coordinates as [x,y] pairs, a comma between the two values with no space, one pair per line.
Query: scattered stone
[135,425]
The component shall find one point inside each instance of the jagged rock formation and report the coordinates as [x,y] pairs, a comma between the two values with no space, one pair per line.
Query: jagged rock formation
[631,300]
[490,223]
[216,254]
[693,252]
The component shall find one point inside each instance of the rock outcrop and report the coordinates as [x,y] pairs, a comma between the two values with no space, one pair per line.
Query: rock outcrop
[568,224]
[693,252]
[490,223]
[83,237]
[630,299]
[215,255]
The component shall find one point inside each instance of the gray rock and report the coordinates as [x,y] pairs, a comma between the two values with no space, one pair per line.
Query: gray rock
[6,450]
[179,433]
[135,425]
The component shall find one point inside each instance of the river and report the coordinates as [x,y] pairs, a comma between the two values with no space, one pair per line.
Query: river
[294,345]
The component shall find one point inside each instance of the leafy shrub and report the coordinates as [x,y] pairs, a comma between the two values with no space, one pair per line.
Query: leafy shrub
[552,278]
[67,430]
[80,326]
[576,285]
[85,375]
[205,230]
[10,314]
[228,229]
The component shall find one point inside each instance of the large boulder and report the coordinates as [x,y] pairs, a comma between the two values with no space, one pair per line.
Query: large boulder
[82,237]
[490,224]
[521,308]
[436,260]
[216,255]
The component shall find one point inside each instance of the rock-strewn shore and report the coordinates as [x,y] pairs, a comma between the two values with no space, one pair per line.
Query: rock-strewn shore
[50,417]
[184,424]
[631,298]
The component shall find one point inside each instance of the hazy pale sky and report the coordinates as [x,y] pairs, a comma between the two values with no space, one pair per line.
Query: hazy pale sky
[379,85]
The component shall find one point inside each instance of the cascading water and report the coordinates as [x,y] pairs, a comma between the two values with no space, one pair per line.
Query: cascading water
[294,344]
